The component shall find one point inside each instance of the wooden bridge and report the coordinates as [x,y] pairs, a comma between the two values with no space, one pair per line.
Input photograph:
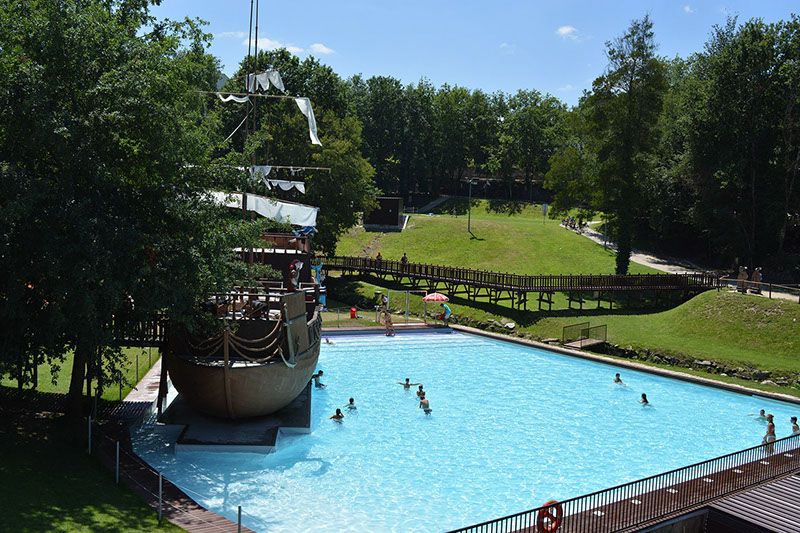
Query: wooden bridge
[499,286]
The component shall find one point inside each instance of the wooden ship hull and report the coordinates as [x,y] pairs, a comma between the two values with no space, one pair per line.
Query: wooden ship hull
[253,371]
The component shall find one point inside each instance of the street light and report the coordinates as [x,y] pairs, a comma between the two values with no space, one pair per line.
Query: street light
[469,209]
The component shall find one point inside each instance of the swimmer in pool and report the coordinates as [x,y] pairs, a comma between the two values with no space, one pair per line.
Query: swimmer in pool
[338,416]
[328,341]
[424,404]
[762,415]
[420,392]
[644,401]
[795,427]
[317,383]
[351,405]
[618,380]
[407,384]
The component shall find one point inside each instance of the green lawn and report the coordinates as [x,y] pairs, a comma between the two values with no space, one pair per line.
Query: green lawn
[50,484]
[721,326]
[47,383]
[522,243]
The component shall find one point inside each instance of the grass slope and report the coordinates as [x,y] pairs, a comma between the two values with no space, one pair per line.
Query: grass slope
[522,242]
[722,326]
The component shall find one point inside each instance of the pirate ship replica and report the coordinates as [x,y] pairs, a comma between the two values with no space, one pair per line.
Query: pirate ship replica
[267,343]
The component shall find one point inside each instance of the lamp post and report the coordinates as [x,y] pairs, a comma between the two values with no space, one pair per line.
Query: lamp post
[469,209]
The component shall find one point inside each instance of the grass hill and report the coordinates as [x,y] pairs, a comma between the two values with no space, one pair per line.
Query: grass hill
[508,238]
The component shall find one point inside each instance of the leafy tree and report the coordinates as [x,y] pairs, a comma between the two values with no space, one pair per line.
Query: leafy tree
[102,218]
[623,110]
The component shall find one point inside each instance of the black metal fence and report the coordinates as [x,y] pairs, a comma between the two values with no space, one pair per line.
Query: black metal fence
[656,498]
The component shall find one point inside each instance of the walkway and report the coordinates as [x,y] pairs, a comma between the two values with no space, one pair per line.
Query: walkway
[497,286]
[671,265]
[773,507]
[177,506]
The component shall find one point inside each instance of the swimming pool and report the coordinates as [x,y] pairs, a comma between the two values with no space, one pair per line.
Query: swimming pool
[512,427]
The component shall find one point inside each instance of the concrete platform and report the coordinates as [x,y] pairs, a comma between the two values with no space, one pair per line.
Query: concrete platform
[252,435]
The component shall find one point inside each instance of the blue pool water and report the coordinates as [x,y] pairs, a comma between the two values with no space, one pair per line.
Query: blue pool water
[511,428]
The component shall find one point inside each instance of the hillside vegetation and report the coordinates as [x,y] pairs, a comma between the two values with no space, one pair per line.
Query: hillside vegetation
[523,242]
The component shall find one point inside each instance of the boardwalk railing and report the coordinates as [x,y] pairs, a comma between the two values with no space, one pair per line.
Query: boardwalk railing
[787,292]
[650,500]
[523,283]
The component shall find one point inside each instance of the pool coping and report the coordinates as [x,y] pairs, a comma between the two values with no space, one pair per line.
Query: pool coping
[674,374]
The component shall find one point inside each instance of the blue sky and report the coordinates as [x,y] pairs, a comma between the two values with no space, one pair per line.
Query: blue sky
[554,46]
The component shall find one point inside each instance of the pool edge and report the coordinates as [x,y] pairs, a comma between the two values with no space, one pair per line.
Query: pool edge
[731,387]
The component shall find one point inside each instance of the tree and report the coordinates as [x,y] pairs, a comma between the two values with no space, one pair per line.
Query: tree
[623,110]
[103,219]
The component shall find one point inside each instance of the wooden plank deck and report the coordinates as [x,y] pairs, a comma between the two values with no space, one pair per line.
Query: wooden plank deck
[774,506]
[634,511]
[177,507]
[584,343]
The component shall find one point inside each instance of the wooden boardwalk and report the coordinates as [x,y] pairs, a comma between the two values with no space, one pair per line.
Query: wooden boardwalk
[177,506]
[497,286]
[773,507]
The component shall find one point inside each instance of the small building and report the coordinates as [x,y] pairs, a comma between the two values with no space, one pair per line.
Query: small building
[388,216]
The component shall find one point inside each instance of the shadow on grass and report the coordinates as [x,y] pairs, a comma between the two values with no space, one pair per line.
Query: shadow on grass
[456,206]
[347,290]
[49,483]
[506,207]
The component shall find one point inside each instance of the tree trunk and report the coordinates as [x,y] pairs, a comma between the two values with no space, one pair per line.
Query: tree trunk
[75,396]
[624,245]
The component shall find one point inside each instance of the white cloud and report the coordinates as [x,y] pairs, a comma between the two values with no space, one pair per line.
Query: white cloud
[265,43]
[688,9]
[566,88]
[231,35]
[508,48]
[319,48]
[567,32]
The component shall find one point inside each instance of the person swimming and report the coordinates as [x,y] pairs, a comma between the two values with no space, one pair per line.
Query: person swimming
[618,380]
[338,416]
[762,415]
[351,405]
[420,392]
[424,404]
[795,427]
[317,383]
[328,341]
[644,400]
[407,384]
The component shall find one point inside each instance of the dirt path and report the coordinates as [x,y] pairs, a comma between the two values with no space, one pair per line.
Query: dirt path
[668,264]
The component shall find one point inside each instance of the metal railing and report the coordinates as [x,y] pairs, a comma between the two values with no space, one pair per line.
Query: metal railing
[523,283]
[656,498]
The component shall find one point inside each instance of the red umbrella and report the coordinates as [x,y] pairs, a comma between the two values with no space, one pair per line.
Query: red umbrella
[436,297]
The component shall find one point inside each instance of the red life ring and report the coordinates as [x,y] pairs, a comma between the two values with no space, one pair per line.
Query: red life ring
[554,513]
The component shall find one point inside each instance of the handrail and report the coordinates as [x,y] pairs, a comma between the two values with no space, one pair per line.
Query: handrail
[763,287]
[656,497]
[524,283]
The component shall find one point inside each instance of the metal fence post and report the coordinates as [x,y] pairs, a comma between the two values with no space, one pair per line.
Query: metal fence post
[90,435]
[116,468]
[160,496]
[239,521]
